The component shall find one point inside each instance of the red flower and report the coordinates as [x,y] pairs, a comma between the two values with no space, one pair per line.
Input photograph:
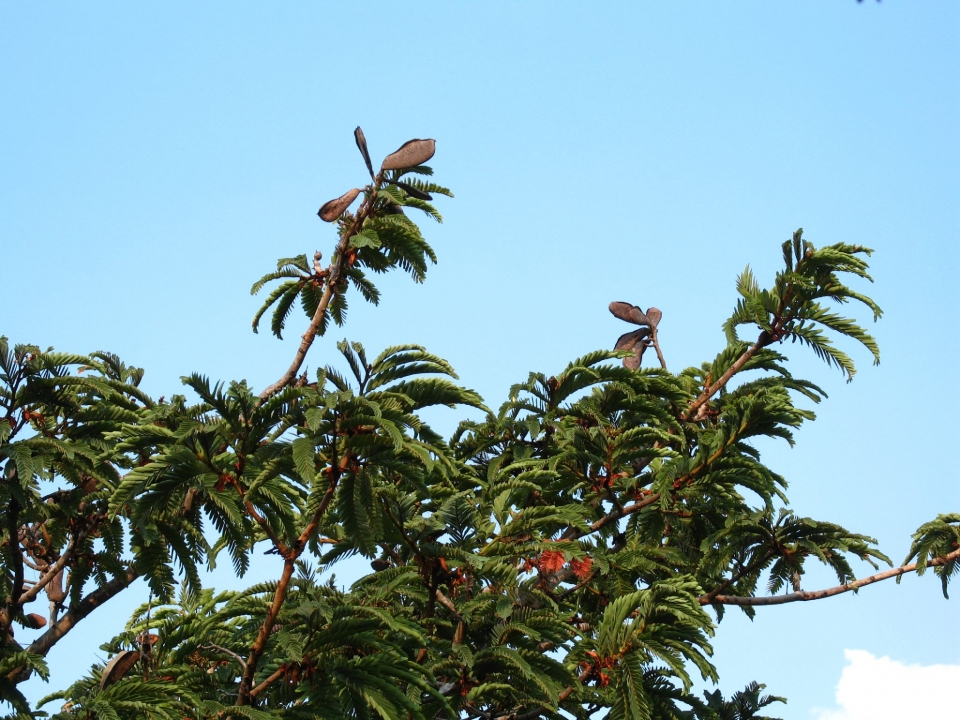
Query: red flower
[550,561]
[581,568]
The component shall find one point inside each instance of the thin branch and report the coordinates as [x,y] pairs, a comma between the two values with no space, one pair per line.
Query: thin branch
[708,392]
[656,346]
[262,522]
[335,476]
[805,595]
[231,653]
[260,644]
[52,571]
[289,563]
[734,578]
[334,277]
[42,645]
[269,681]
[613,516]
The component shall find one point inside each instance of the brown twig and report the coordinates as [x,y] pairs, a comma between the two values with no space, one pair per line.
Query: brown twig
[268,682]
[42,645]
[52,571]
[737,576]
[333,279]
[280,595]
[708,392]
[805,595]
[231,653]
[260,644]
[656,346]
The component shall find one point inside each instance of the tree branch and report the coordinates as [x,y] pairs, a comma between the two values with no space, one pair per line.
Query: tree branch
[52,571]
[708,392]
[656,346]
[805,595]
[43,644]
[260,644]
[231,653]
[334,277]
[734,578]
[269,681]
[289,563]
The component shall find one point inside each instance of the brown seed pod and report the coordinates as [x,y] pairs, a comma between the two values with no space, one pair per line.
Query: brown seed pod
[410,154]
[35,621]
[362,144]
[633,362]
[118,667]
[636,341]
[628,341]
[629,313]
[411,190]
[54,589]
[335,208]
[653,316]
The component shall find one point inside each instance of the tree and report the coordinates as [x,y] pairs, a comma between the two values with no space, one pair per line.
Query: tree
[562,555]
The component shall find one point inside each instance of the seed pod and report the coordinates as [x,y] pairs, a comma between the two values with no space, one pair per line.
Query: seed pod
[411,190]
[335,208]
[118,667]
[392,209]
[54,589]
[633,362]
[636,341]
[629,313]
[34,621]
[628,341]
[362,144]
[410,154]
[653,316]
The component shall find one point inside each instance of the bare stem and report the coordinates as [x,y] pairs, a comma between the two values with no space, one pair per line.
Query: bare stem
[334,277]
[805,595]
[656,346]
[43,644]
[713,389]
[260,644]
[268,682]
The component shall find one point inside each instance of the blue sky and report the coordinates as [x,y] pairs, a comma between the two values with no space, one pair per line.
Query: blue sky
[156,160]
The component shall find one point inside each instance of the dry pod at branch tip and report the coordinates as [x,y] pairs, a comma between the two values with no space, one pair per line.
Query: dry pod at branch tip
[410,154]
[628,341]
[362,144]
[653,316]
[330,211]
[629,313]
[118,667]
[635,340]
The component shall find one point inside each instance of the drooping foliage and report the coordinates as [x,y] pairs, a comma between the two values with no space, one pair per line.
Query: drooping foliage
[569,554]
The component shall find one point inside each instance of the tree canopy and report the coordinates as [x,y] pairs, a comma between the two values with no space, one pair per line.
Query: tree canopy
[569,554]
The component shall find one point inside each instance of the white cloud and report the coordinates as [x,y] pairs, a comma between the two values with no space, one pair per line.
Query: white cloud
[873,688]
